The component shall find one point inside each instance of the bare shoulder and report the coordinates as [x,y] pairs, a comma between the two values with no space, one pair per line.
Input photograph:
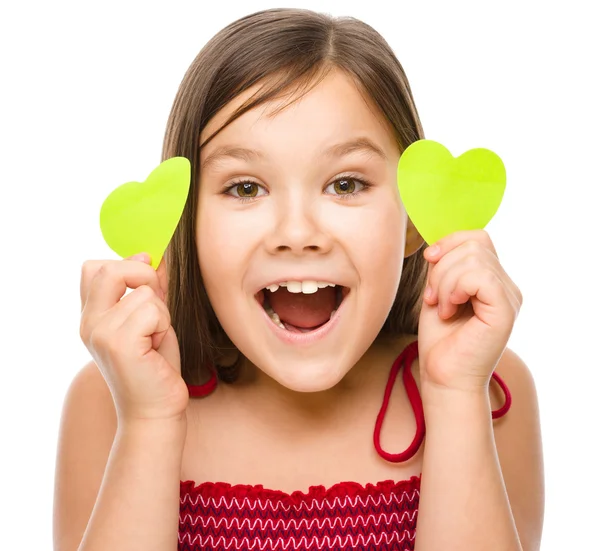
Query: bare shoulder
[87,429]
[90,396]
[519,444]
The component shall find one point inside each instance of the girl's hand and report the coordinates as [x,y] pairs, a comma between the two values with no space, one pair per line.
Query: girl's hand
[131,338]
[467,319]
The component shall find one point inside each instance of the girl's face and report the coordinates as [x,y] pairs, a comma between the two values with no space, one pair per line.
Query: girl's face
[307,195]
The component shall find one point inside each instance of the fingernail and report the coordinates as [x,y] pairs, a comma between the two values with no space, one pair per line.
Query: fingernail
[142,257]
[432,251]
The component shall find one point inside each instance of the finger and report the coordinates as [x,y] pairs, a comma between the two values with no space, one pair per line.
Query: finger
[440,248]
[90,269]
[139,328]
[449,294]
[168,347]
[516,295]
[469,255]
[487,293]
[161,272]
[111,281]
[132,302]
[476,248]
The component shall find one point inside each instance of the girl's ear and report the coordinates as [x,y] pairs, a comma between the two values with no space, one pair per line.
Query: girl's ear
[414,241]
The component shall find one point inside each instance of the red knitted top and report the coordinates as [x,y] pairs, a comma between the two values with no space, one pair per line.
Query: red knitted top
[381,516]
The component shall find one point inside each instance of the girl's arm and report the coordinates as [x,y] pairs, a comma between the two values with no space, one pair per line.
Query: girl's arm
[117,487]
[482,490]
[138,503]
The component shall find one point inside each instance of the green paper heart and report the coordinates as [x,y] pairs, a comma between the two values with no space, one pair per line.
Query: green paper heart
[142,217]
[443,194]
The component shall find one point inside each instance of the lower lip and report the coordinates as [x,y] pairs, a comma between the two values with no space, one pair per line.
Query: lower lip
[305,338]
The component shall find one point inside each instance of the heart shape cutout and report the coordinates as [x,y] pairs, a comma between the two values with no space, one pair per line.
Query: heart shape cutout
[142,217]
[443,194]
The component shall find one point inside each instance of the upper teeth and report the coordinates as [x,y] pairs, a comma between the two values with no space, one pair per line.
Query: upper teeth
[306,287]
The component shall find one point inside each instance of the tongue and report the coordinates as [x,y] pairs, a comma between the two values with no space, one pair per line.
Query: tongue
[303,311]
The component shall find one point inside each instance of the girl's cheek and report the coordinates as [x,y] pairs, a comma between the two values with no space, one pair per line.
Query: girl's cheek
[224,241]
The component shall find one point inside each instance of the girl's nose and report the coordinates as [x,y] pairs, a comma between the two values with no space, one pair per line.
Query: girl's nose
[299,228]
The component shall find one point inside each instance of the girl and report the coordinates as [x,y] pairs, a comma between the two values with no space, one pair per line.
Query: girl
[243,395]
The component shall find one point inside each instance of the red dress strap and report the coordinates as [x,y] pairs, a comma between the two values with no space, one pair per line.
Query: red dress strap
[206,388]
[406,358]
[507,398]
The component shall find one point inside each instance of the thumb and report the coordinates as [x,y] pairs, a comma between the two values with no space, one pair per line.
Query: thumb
[161,272]
[429,268]
[169,349]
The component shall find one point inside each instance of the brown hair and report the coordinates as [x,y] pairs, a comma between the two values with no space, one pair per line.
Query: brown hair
[295,49]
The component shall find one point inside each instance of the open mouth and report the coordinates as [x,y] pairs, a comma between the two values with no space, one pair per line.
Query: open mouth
[301,307]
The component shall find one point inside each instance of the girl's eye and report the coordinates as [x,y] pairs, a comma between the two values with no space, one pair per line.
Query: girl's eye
[245,190]
[347,186]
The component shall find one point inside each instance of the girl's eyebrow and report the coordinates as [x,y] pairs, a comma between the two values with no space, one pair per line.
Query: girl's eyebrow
[361,144]
[231,151]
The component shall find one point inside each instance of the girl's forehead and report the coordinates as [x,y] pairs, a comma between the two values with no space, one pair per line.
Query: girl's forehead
[335,105]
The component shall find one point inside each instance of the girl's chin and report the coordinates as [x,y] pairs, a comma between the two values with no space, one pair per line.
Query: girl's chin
[302,375]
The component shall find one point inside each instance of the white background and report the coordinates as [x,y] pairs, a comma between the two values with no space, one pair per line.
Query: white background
[86,91]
